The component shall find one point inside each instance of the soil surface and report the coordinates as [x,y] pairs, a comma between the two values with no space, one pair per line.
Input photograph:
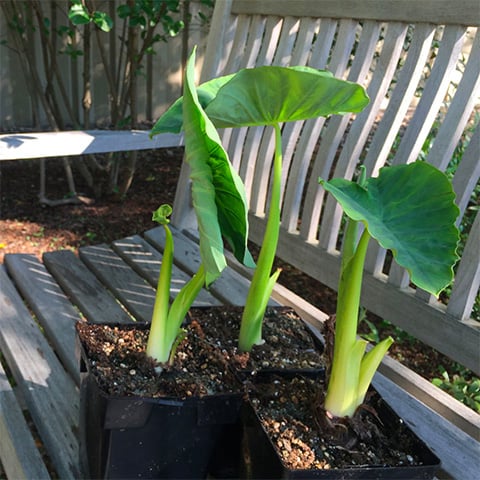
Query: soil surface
[288,344]
[117,357]
[206,361]
[374,437]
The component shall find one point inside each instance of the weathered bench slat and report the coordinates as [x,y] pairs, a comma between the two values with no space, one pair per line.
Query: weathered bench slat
[50,394]
[465,288]
[449,427]
[51,307]
[240,37]
[425,114]
[332,136]
[230,287]
[438,433]
[18,453]
[468,172]
[435,399]
[459,113]
[432,96]
[392,118]
[400,99]
[358,133]
[84,289]
[126,285]
[146,261]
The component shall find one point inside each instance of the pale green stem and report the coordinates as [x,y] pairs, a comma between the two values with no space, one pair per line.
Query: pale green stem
[157,345]
[184,300]
[370,364]
[352,230]
[349,243]
[348,352]
[166,320]
[262,281]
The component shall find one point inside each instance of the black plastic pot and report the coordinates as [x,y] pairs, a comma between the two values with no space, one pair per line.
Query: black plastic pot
[262,460]
[135,437]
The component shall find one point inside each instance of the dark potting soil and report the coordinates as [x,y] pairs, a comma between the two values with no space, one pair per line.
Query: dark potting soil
[117,358]
[204,359]
[288,344]
[288,409]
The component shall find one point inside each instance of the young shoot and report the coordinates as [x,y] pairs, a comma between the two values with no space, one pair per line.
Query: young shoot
[167,320]
[409,210]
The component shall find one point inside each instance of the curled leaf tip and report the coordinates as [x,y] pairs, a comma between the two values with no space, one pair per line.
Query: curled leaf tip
[161,214]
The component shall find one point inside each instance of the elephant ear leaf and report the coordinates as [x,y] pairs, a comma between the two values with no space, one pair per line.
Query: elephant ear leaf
[218,196]
[410,210]
[251,97]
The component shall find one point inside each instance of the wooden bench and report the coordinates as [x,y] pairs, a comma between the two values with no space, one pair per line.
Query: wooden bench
[388,46]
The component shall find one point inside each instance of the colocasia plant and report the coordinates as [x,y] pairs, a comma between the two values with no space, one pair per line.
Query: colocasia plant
[220,206]
[409,210]
[166,326]
[267,96]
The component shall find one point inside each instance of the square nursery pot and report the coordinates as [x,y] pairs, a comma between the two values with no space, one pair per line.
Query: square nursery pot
[140,437]
[267,454]
[291,346]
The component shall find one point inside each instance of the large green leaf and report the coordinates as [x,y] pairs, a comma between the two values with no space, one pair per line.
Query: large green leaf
[218,196]
[172,120]
[410,210]
[270,95]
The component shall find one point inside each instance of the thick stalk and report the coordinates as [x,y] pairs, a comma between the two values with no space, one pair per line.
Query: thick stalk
[157,345]
[348,351]
[352,230]
[262,281]
[349,243]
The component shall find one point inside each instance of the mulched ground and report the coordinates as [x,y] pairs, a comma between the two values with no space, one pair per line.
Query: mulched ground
[28,227]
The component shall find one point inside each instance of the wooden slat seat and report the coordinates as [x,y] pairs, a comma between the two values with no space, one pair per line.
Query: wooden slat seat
[146,261]
[83,287]
[49,392]
[52,309]
[420,67]
[17,442]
